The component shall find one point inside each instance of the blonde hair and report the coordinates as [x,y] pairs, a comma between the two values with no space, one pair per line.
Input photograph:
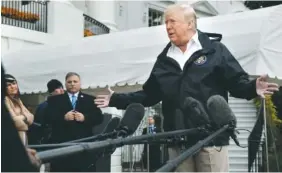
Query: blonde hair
[187,10]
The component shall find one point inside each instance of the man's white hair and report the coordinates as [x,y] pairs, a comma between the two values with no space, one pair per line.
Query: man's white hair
[188,11]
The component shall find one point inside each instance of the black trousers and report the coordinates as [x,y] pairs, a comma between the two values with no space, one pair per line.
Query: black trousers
[154,157]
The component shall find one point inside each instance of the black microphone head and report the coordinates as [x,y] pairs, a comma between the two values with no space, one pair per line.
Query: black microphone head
[132,117]
[196,112]
[112,125]
[220,112]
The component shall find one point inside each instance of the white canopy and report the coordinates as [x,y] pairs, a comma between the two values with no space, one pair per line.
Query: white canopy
[254,38]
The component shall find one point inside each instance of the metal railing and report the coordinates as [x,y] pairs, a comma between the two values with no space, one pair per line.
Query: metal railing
[257,143]
[94,27]
[30,15]
[132,160]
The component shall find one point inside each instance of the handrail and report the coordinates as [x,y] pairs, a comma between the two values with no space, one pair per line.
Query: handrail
[94,27]
[30,15]
[256,141]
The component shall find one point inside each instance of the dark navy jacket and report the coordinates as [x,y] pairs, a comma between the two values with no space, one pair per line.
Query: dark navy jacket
[210,71]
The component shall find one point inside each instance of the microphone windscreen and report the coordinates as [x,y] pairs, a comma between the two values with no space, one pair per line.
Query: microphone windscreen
[195,112]
[112,125]
[220,112]
[132,117]
[179,120]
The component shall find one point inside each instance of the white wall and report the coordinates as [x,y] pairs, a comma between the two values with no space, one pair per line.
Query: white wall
[65,21]
[81,5]
[231,6]
[134,14]
[15,38]
[116,161]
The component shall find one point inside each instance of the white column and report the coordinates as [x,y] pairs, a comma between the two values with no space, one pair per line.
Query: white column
[104,12]
[65,22]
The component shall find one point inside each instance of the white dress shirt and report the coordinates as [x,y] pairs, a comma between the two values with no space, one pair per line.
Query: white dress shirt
[192,46]
[70,96]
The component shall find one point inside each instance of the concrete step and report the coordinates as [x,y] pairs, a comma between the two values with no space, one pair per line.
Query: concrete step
[243,110]
[239,100]
[239,164]
[239,159]
[238,170]
[242,105]
[249,114]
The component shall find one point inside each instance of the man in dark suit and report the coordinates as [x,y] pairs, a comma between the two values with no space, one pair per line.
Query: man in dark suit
[154,149]
[40,134]
[72,116]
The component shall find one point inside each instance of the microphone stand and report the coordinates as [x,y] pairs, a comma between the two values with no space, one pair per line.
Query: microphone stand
[172,164]
[160,141]
[46,156]
[99,137]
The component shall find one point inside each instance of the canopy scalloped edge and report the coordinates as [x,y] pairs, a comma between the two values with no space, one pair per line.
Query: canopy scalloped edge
[94,87]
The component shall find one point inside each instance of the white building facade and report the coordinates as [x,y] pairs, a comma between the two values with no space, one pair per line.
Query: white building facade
[66,23]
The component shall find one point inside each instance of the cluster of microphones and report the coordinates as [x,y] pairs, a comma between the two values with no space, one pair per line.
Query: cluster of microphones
[117,133]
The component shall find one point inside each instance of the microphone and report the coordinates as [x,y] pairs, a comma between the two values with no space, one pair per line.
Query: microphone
[196,112]
[46,156]
[112,125]
[221,114]
[132,117]
[129,123]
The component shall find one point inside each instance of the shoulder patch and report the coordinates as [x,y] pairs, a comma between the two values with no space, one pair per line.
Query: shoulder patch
[201,60]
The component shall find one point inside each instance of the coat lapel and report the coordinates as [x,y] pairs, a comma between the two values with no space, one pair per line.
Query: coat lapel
[68,101]
[79,99]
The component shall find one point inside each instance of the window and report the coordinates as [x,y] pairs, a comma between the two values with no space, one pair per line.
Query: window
[155,17]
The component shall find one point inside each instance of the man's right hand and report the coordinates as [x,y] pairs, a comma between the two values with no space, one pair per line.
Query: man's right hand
[69,116]
[103,101]
[33,157]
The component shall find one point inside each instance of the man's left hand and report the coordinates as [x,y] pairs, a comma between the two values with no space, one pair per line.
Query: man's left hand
[265,88]
[79,116]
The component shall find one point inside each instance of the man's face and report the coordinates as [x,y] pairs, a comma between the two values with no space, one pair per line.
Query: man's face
[177,28]
[58,91]
[151,120]
[73,84]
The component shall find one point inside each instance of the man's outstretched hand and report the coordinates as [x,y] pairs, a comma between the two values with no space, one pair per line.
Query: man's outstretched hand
[265,88]
[103,101]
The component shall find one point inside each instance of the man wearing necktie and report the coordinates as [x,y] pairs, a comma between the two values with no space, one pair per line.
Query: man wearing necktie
[154,149]
[73,116]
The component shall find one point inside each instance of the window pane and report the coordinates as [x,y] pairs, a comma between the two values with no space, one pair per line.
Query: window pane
[155,17]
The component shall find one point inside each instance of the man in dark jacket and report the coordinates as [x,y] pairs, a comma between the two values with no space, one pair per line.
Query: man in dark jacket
[40,131]
[72,116]
[154,149]
[192,65]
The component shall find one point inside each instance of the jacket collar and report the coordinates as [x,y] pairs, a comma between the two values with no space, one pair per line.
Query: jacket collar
[204,39]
